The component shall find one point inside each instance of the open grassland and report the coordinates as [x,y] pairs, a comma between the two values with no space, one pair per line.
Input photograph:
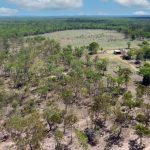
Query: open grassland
[107,39]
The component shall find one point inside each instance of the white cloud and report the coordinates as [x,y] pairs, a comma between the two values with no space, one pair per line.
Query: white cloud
[7,11]
[140,13]
[48,4]
[136,3]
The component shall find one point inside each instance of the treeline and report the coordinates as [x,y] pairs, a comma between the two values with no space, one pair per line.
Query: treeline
[18,27]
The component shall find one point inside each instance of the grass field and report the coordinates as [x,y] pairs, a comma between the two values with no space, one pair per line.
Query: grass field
[107,39]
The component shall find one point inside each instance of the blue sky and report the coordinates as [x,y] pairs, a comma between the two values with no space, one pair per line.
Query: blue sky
[74,7]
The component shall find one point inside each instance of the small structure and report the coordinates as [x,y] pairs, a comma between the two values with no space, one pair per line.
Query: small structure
[121,52]
[117,52]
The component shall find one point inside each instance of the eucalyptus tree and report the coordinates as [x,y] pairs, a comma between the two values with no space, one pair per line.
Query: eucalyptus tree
[101,66]
[79,51]
[119,78]
[87,60]
[77,77]
[38,70]
[111,81]
[67,98]
[54,64]
[120,118]
[100,108]
[28,107]
[93,48]
[67,56]
[27,132]
[91,80]
[142,131]
[69,122]
[50,47]
[18,67]
[53,116]
[146,111]
[120,82]
[58,135]
[128,100]
[140,91]
[129,45]
[124,74]
[145,72]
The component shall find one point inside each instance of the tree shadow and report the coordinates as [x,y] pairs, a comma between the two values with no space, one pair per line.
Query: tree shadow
[101,125]
[113,139]
[134,145]
[91,135]
[62,147]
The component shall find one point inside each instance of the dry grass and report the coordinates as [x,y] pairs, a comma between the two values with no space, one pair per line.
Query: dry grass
[107,39]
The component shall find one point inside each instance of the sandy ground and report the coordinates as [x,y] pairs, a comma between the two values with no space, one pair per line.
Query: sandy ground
[128,134]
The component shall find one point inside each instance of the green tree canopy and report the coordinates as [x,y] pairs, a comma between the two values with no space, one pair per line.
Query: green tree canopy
[93,48]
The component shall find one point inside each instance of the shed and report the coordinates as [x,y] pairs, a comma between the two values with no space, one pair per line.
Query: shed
[117,52]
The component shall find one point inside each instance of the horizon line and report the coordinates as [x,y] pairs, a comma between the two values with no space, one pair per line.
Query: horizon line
[76,16]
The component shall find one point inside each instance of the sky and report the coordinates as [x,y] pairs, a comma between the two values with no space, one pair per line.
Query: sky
[74,7]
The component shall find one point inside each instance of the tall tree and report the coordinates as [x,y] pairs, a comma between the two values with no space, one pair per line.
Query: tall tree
[53,117]
[69,122]
[27,131]
[145,71]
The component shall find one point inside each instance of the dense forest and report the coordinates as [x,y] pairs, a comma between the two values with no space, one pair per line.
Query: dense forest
[17,27]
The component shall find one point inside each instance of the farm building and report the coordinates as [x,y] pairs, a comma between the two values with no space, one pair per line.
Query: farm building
[121,52]
[117,52]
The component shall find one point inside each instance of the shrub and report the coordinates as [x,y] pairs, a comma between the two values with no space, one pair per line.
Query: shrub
[93,48]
